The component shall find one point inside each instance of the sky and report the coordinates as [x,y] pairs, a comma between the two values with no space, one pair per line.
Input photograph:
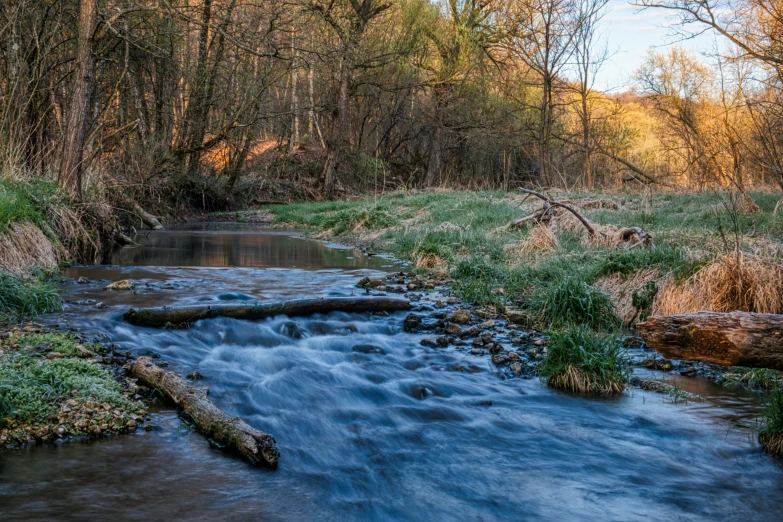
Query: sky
[630,32]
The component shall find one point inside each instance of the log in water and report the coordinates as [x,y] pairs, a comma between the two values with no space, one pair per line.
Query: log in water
[728,339]
[181,315]
[231,432]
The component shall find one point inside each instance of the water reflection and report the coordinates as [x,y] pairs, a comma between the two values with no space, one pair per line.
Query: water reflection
[221,245]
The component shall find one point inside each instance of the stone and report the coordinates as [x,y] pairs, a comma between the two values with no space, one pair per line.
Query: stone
[518,317]
[368,349]
[124,284]
[82,280]
[429,342]
[292,330]
[412,323]
[452,328]
[443,341]
[504,358]
[54,355]
[516,367]
[84,352]
[459,316]
[494,348]
[369,283]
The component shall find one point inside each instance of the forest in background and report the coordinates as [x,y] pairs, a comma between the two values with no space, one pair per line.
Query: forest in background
[216,104]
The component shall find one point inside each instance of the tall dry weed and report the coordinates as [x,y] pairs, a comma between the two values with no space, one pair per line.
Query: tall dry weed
[734,281]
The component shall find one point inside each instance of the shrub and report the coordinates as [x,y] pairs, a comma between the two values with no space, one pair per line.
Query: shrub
[580,360]
[771,432]
[574,302]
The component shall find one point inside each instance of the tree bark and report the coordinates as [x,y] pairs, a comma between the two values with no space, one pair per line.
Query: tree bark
[340,138]
[233,433]
[181,315]
[70,175]
[729,339]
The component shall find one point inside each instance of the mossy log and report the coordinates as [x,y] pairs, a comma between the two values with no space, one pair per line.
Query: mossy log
[181,315]
[232,433]
[728,339]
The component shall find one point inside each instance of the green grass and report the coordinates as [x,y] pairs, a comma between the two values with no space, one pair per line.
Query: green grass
[583,361]
[467,232]
[49,342]
[771,432]
[32,387]
[22,297]
[21,201]
[571,302]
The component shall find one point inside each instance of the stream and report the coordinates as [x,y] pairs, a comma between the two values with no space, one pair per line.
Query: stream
[370,424]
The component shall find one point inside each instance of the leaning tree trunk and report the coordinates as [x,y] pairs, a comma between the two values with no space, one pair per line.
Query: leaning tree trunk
[231,432]
[73,154]
[183,315]
[728,339]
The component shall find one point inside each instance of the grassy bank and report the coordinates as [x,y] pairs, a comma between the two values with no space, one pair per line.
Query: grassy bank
[553,271]
[708,251]
[53,387]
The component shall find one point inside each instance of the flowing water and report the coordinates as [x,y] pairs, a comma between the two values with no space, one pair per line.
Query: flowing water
[370,424]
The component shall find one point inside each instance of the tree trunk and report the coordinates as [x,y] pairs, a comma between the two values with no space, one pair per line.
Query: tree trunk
[70,175]
[232,432]
[340,132]
[728,339]
[182,315]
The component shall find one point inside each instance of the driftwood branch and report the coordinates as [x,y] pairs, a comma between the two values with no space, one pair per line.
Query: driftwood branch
[230,432]
[728,339]
[181,315]
[552,203]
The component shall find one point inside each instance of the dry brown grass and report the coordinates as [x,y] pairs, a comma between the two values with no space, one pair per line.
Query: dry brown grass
[540,239]
[731,282]
[23,246]
[429,262]
[576,381]
[745,205]
[772,443]
[621,287]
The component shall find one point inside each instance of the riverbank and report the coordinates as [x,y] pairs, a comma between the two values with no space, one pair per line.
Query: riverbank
[56,387]
[708,251]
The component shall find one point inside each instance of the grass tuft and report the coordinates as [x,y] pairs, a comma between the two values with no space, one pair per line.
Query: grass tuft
[580,360]
[574,302]
[22,297]
[771,432]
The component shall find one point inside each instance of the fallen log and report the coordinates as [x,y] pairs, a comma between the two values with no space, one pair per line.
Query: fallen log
[179,315]
[230,432]
[729,339]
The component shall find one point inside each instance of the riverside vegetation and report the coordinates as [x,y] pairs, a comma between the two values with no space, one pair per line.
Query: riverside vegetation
[709,251]
[551,276]
[52,385]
